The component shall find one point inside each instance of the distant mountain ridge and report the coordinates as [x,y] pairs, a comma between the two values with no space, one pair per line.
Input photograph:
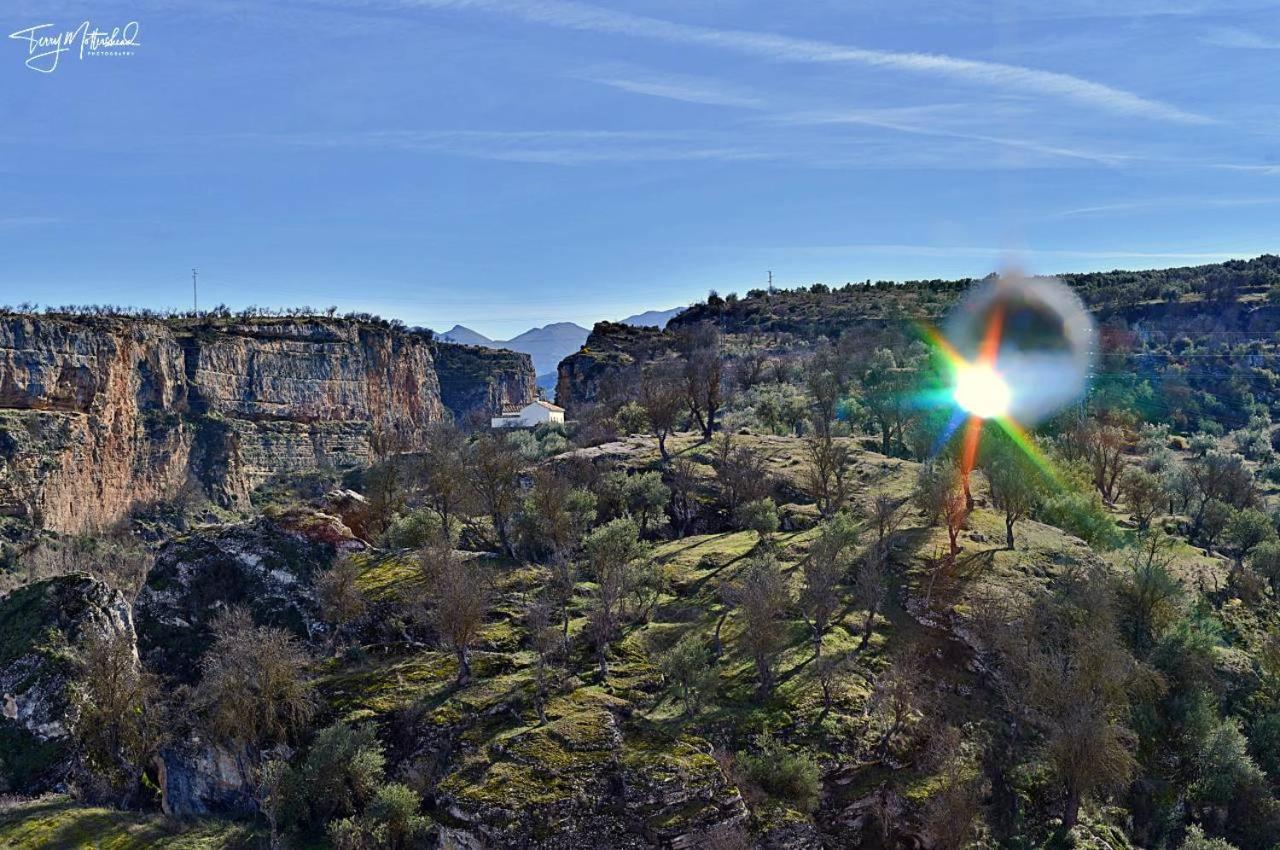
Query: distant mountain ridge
[550,344]
[465,336]
[652,318]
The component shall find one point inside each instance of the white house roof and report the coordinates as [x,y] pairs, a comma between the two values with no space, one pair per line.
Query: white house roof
[548,405]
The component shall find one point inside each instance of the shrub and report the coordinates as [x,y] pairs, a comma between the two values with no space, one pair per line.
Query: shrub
[631,418]
[553,444]
[689,669]
[413,530]
[1082,515]
[760,516]
[340,774]
[781,773]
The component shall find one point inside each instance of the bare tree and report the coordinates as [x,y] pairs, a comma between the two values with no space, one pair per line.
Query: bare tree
[117,717]
[1105,453]
[825,389]
[750,366]
[896,701]
[683,481]
[829,670]
[704,377]
[460,596]
[953,810]
[384,481]
[940,496]
[545,639]
[561,588]
[662,398]
[254,690]
[492,471]
[869,588]
[741,473]
[763,598]
[341,600]
[826,476]
[827,563]
[442,473]
[886,514]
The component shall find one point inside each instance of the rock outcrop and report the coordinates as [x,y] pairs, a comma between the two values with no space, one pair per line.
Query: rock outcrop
[39,625]
[591,779]
[267,565]
[101,414]
[477,381]
[603,368]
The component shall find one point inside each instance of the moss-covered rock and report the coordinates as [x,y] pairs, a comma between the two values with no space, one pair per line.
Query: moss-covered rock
[39,624]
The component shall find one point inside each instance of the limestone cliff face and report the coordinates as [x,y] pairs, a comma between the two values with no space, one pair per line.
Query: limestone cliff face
[90,418]
[98,415]
[477,381]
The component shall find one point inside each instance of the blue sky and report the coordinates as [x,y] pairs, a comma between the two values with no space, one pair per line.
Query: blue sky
[506,163]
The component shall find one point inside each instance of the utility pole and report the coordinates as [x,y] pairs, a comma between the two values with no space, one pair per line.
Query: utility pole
[195,294]
[771,278]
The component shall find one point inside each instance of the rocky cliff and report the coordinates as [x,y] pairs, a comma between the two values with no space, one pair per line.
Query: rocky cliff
[478,381]
[100,414]
[600,368]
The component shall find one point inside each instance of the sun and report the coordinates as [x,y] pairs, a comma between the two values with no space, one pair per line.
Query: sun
[981,391]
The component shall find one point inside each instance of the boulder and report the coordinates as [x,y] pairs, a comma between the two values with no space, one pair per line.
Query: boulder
[200,780]
[39,625]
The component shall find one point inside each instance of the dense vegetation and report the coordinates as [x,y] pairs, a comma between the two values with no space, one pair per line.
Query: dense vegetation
[751,597]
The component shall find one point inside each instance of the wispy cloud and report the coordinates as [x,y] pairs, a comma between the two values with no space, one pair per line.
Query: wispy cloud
[779,48]
[673,87]
[551,147]
[780,145]
[928,120]
[1241,39]
[924,121]
[1248,168]
[1165,204]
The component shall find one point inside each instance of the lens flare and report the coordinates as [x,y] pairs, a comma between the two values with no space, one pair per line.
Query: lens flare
[1015,350]
[981,391]
[1034,333]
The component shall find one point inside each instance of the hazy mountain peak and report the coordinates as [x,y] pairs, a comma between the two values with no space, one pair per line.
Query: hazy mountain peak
[465,336]
[652,318]
[556,330]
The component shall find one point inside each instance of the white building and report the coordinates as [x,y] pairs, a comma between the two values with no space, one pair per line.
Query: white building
[534,413]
